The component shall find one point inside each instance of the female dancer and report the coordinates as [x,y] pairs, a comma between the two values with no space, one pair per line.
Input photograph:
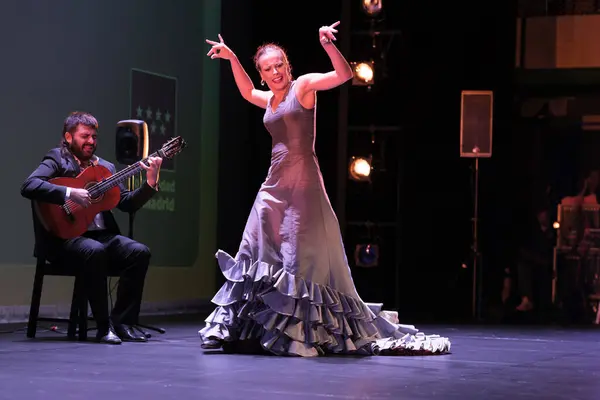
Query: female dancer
[289,287]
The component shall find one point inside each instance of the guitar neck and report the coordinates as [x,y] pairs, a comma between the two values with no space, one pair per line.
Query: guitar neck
[119,177]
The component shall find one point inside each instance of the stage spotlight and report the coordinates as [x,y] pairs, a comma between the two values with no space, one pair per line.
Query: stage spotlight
[131,141]
[366,255]
[372,7]
[360,169]
[556,225]
[364,73]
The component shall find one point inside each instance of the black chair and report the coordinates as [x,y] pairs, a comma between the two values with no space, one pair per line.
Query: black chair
[78,319]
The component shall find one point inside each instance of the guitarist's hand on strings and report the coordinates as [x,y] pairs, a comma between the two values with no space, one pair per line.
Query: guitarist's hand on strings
[152,168]
[80,196]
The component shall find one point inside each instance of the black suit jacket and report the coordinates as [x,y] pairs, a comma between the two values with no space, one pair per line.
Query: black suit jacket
[61,163]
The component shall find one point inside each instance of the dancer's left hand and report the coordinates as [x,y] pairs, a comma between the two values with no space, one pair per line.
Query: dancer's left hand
[326,32]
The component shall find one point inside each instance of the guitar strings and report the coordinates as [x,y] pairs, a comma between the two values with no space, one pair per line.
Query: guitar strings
[132,169]
[112,181]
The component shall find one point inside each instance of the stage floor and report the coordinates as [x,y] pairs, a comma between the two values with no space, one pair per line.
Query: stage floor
[493,362]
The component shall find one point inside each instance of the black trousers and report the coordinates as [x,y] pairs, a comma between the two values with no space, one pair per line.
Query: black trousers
[101,252]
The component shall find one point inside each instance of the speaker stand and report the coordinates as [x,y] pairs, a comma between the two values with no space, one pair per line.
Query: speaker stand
[475,254]
[139,327]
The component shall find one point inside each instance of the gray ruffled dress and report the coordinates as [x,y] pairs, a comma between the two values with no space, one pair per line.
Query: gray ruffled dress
[289,286]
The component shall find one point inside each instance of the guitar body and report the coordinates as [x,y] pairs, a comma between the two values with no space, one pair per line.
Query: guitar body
[71,220]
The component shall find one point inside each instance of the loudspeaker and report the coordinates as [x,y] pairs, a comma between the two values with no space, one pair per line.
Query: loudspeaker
[476,118]
[131,142]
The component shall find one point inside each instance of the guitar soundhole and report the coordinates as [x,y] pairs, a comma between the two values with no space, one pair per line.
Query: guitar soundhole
[96,199]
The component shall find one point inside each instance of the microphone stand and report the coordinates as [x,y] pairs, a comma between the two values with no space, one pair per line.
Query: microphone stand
[475,254]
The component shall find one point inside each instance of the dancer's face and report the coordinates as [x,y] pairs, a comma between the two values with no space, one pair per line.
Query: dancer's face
[274,70]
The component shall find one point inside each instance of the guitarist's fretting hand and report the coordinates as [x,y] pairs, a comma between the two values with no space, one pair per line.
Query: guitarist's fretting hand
[80,196]
[152,168]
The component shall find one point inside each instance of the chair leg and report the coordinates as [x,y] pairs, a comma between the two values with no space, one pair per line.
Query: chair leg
[83,320]
[74,315]
[36,298]
[82,302]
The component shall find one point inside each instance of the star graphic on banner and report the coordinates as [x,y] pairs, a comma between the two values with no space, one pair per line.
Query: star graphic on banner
[158,114]
[139,111]
[162,129]
[153,128]
[149,113]
[167,117]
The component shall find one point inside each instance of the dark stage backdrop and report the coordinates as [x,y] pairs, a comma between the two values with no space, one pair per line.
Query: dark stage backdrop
[442,50]
[118,60]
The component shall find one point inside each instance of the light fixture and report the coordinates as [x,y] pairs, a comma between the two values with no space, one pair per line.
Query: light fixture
[372,7]
[556,225]
[366,255]
[360,168]
[364,73]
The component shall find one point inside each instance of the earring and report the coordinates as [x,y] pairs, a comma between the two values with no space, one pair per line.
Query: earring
[262,83]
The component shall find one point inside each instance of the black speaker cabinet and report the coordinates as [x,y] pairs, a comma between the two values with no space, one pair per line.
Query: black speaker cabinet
[476,118]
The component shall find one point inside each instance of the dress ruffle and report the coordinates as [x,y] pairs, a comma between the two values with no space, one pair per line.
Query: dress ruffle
[291,316]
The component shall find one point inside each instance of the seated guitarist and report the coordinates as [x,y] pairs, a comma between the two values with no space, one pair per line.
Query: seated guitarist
[102,246]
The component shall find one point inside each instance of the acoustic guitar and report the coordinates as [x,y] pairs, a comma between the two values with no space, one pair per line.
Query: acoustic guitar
[70,219]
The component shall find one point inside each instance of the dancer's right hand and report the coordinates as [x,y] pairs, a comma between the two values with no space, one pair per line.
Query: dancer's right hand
[219,49]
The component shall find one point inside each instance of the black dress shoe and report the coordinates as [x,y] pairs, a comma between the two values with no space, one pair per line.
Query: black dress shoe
[108,337]
[128,334]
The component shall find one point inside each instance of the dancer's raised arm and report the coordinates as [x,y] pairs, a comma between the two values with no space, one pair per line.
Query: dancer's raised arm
[242,80]
[341,73]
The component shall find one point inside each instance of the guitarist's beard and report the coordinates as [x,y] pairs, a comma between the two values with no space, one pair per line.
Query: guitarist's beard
[82,152]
